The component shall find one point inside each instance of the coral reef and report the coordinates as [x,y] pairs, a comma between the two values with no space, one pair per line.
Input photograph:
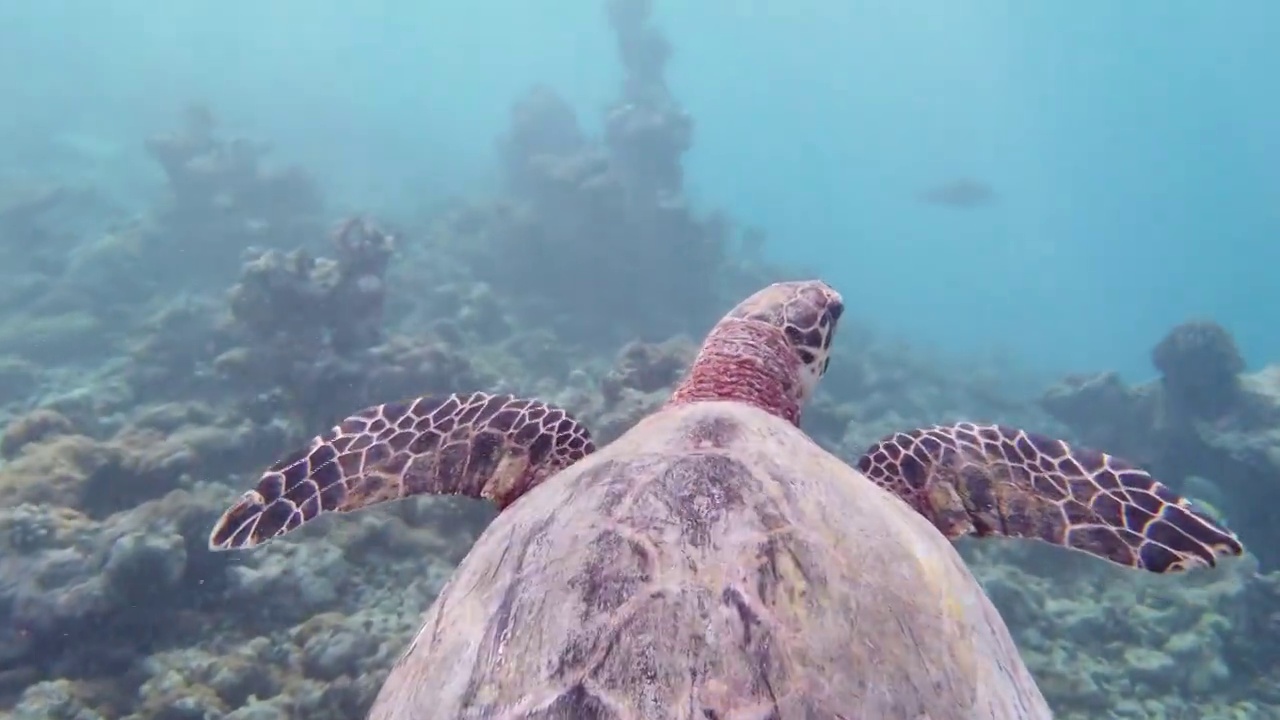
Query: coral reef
[131,617]
[77,292]
[603,220]
[304,325]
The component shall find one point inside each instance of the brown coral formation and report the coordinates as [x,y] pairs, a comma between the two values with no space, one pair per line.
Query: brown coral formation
[55,463]
[38,425]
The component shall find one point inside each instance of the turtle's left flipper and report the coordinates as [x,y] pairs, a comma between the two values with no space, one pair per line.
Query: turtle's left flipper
[479,445]
[994,480]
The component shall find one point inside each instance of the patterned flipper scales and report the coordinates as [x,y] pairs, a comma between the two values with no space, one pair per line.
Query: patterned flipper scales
[479,445]
[993,480]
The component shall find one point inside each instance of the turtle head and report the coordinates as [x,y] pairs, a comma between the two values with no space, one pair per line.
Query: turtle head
[805,313]
[769,351]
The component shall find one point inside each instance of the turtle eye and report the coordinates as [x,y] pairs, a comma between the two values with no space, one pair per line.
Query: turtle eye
[835,310]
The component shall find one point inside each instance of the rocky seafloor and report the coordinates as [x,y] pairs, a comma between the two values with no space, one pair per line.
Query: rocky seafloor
[150,369]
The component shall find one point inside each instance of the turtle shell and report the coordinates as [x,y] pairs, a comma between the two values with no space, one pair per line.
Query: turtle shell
[712,563]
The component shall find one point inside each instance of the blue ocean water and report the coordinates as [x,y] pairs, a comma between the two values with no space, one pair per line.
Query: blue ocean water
[1132,148]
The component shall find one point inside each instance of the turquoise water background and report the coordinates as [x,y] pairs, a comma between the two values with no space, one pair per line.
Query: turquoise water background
[1134,147]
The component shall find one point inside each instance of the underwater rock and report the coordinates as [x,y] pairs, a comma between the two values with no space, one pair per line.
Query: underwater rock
[1149,666]
[194,684]
[104,274]
[648,143]
[611,421]
[1200,366]
[51,463]
[639,381]
[27,529]
[86,597]
[36,426]
[54,471]
[57,700]
[144,563]
[290,584]
[329,665]
[642,47]
[335,651]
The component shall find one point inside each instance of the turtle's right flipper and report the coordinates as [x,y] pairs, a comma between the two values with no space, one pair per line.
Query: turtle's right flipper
[995,480]
[479,445]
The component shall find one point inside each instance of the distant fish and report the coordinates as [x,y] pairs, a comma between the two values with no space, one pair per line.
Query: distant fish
[959,193]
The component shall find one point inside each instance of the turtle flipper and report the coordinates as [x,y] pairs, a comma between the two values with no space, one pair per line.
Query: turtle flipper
[994,480]
[479,445]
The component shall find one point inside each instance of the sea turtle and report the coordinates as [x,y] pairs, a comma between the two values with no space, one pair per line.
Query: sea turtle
[714,561]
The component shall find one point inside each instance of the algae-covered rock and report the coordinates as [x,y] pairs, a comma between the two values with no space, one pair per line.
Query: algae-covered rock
[35,426]
[57,700]
[1149,666]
